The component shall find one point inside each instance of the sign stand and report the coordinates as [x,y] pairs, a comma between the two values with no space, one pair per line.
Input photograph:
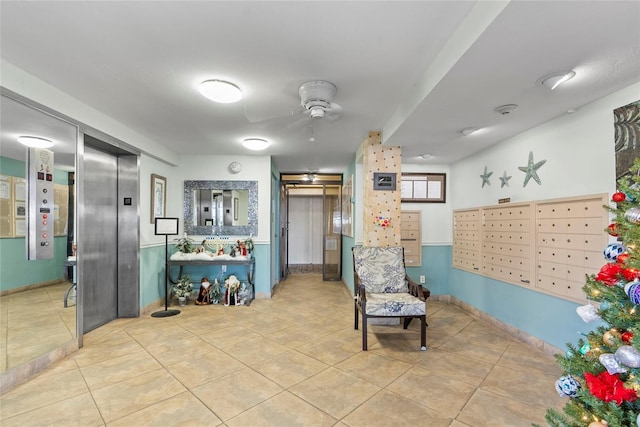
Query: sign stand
[166,227]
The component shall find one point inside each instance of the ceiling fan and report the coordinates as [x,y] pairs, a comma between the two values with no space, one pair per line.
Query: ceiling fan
[316,97]
[316,104]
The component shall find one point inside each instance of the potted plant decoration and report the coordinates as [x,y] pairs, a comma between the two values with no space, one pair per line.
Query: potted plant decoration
[183,289]
[215,292]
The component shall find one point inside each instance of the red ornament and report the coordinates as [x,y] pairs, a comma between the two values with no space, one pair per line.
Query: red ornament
[622,258]
[626,337]
[609,274]
[609,388]
[631,274]
[618,197]
[612,229]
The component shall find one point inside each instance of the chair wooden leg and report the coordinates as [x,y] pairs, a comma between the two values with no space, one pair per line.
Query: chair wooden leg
[423,333]
[407,321]
[364,332]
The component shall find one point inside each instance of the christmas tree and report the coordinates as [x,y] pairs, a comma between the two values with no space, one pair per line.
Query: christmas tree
[602,372]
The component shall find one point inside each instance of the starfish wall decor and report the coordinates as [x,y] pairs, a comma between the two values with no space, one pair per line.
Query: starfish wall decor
[531,170]
[485,177]
[504,179]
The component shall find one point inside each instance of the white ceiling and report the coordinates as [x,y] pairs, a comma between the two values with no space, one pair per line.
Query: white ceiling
[419,71]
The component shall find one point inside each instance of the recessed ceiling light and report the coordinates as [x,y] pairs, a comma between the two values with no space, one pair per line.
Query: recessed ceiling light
[506,109]
[255,143]
[469,131]
[35,142]
[554,80]
[220,91]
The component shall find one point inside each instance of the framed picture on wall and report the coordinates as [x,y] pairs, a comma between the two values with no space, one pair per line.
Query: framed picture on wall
[158,196]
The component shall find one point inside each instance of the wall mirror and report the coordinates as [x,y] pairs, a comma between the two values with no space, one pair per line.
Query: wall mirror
[37,298]
[221,207]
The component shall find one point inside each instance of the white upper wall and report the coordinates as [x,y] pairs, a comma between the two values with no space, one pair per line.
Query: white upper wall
[25,84]
[578,149]
[254,168]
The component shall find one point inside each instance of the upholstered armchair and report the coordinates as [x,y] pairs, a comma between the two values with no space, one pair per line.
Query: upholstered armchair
[383,289]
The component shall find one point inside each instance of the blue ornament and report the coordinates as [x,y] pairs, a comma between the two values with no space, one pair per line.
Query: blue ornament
[585,348]
[604,305]
[567,386]
[612,251]
[632,290]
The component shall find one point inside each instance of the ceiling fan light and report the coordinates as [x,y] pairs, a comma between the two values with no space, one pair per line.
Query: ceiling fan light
[316,113]
[35,142]
[554,80]
[220,91]
[255,144]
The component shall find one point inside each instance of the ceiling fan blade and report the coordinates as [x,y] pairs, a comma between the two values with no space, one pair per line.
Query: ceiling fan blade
[333,113]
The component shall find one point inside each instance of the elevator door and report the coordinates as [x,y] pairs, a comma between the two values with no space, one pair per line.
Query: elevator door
[100,239]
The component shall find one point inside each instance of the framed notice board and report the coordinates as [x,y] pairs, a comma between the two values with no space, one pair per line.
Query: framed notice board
[423,187]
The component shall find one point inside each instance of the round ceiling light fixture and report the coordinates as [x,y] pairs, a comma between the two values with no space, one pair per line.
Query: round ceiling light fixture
[35,141]
[220,91]
[554,80]
[255,144]
[469,131]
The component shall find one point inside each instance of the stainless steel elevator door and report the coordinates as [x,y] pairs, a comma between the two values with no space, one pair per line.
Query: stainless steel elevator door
[100,243]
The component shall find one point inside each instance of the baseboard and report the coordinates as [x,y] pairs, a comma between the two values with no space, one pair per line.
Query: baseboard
[509,329]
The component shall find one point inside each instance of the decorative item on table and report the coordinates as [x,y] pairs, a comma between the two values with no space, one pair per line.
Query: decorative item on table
[242,295]
[183,289]
[184,245]
[232,286]
[382,221]
[204,294]
[248,243]
[215,292]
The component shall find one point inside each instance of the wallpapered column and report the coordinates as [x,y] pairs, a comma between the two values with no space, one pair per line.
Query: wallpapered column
[384,204]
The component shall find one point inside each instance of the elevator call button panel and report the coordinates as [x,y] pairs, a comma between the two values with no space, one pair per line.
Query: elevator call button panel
[40,204]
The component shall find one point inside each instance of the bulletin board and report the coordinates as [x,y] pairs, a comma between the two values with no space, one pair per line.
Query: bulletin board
[423,187]
[6,207]
[13,207]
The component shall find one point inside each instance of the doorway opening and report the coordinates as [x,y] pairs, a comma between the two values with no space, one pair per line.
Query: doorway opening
[311,219]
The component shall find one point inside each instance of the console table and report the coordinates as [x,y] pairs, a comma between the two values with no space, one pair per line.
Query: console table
[248,263]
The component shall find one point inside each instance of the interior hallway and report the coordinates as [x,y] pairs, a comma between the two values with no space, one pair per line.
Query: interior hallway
[294,360]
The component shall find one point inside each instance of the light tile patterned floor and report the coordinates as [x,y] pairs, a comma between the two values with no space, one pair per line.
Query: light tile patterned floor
[294,360]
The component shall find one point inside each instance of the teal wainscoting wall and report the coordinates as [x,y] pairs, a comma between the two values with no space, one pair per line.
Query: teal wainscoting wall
[16,271]
[152,278]
[436,265]
[550,319]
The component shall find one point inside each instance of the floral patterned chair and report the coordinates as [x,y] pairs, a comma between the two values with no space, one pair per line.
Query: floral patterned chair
[383,289]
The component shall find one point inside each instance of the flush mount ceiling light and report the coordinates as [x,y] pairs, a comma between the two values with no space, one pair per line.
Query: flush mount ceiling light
[469,131]
[255,144]
[425,156]
[35,142]
[554,80]
[220,91]
[506,109]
